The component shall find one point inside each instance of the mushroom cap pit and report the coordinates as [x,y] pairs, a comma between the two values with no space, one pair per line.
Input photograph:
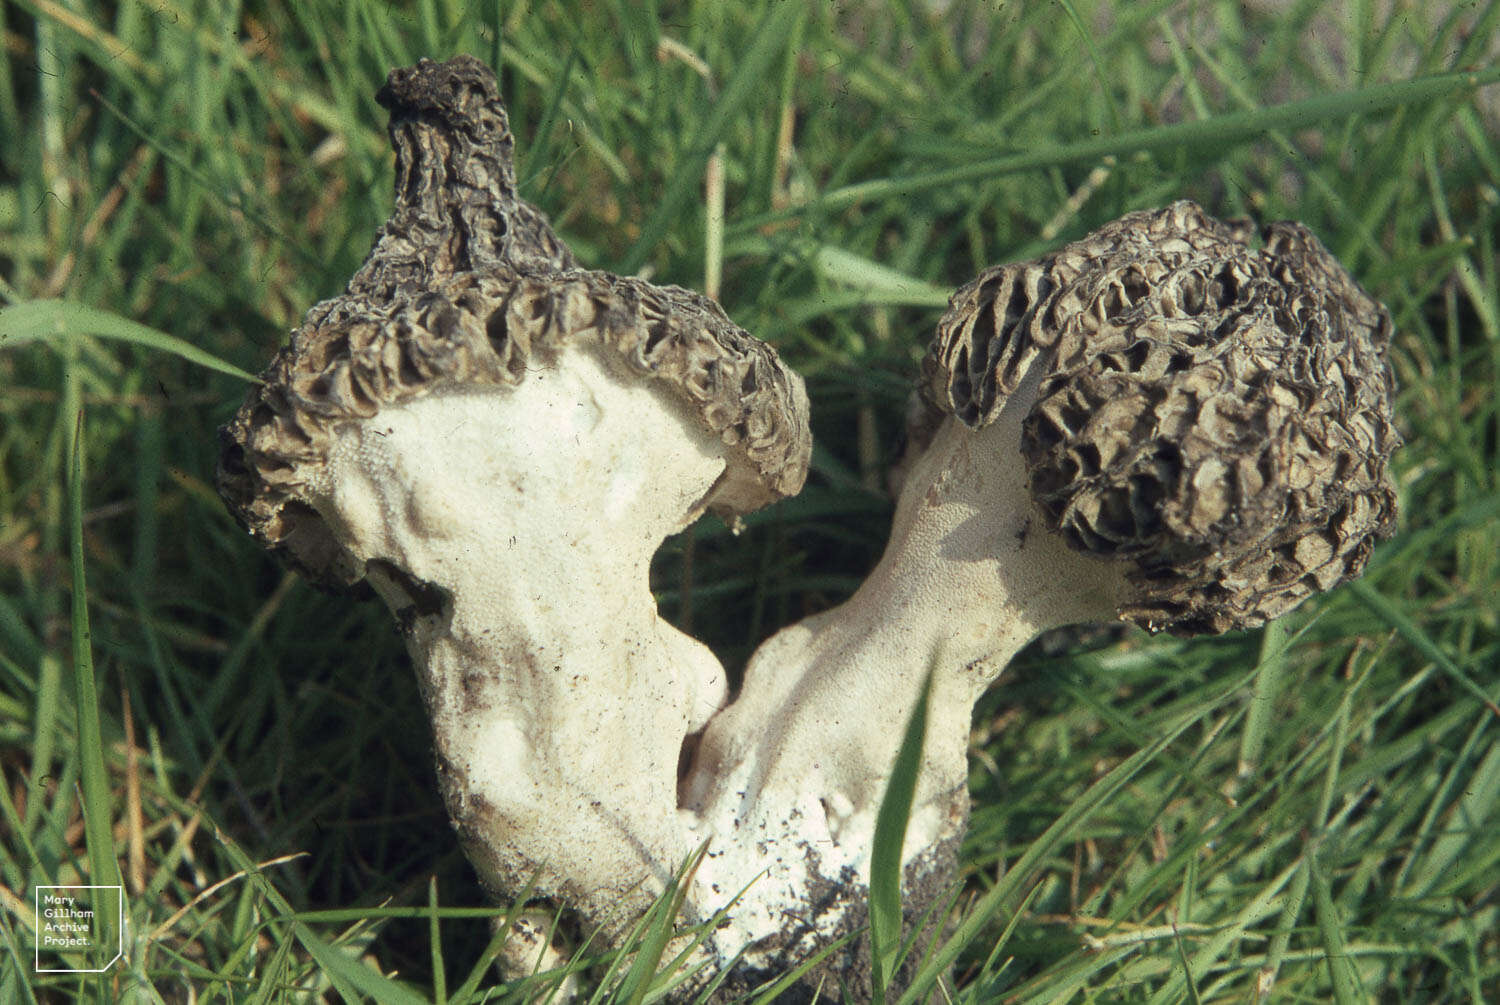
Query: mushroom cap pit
[1217,414]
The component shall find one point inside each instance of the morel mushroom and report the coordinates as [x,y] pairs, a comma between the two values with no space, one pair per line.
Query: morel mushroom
[1160,422]
[497,443]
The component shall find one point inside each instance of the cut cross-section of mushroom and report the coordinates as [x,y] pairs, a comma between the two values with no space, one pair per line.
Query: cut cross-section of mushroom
[497,442]
[1161,422]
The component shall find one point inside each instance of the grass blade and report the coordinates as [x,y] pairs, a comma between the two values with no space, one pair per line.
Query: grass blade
[349,975]
[659,930]
[1217,133]
[49,319]
[435,938]
[1418,639]
[772,994]
[1346,989]
[94,779]
[1017,875]
[1269,680]
[1468,821]
[890,835]
[749,76]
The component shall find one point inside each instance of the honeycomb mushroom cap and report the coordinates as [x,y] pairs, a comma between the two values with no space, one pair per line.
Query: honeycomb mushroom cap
[456,206]
[490,329]
[1215,413]
[468,286]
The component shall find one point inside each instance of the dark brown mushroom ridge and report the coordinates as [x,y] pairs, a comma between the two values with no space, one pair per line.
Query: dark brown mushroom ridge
[456,207]
[1217,414]
[468,286]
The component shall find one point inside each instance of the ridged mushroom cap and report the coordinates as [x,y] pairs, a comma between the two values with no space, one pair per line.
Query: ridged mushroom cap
[1216,414]
[456,207]
[468,286]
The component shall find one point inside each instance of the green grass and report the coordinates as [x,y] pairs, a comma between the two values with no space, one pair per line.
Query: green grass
[1302,814]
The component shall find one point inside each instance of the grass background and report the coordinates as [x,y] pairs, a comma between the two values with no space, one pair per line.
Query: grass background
[1305,813]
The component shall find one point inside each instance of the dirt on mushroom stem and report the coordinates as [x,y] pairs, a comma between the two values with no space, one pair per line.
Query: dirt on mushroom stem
[802,758]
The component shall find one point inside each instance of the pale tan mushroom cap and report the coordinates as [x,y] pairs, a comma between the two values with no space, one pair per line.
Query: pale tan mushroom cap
[468,286]
[1217,414]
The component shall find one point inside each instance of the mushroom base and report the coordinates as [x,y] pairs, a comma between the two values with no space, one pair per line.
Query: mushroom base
[836,911]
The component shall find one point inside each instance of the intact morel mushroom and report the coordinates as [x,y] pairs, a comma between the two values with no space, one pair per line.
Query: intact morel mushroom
[1161,422]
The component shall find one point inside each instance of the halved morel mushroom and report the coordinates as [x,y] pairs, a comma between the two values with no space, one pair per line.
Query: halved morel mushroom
[497,441]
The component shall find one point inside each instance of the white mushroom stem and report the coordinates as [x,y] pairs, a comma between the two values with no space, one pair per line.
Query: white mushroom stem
[524,520]
[968,578]
[512,529]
